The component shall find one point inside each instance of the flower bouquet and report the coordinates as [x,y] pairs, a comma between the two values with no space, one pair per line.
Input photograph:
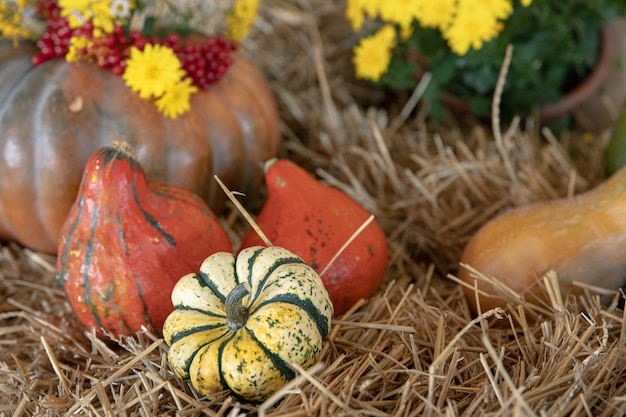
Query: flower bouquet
[144,42]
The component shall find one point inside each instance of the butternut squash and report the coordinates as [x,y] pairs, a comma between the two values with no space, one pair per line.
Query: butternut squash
[583,239]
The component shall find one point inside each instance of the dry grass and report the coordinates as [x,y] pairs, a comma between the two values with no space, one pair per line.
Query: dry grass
[412,350]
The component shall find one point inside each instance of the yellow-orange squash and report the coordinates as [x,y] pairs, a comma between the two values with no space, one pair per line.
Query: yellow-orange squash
[582,238]
[54,116]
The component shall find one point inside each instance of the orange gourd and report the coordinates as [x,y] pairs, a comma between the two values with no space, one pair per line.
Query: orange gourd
[127,242]
[582,239]
[314,220]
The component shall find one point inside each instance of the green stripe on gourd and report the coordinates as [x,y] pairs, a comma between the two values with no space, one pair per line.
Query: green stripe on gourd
[240,322]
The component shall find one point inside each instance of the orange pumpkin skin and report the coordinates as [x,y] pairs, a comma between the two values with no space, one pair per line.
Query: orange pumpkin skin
[126,243]
[314,220]
[582,239]
[54,116]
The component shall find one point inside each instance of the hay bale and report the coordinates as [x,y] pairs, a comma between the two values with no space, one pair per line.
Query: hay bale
[412,350]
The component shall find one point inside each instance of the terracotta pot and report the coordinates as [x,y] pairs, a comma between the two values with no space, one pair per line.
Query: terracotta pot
[593,105]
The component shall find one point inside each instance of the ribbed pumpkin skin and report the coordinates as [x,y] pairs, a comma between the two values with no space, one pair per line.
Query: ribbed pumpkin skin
[314,220]
[126,243]
[53,117]
[289,317]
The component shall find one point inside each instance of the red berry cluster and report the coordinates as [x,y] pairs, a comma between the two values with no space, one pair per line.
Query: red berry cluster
[206,61]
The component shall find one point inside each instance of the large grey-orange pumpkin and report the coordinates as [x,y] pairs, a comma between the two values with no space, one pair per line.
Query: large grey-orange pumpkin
[54,116]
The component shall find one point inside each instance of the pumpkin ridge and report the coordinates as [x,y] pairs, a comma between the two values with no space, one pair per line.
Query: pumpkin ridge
[86,281]
[152,221]
[68,239]
[195,353]
[199,310]
[305,304]
[277,361]
[270,270]
[138,287]
[193,330]
[220,357]
[206,281]
[35,157]
[171,193]
[22,79]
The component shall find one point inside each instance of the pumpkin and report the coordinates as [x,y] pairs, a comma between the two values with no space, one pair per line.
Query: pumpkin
[54,116]
[126,243]
[239,322]
[582,238]
[314,220]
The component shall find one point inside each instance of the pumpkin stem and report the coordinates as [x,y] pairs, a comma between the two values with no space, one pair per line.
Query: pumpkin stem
[125,148]
[236,313]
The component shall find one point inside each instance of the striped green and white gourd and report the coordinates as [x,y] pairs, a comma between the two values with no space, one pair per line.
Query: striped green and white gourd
[239,322]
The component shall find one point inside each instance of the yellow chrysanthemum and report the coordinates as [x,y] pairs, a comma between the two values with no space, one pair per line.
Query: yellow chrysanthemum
[436,14]
[102,15]
[472,26]
[355,14]
[77,12]
[501,9]
[175,101]
[356,10]
[526,3]
[401,12]
[372,55]
[241,18]
[153,71]
[78,44]
[372,7]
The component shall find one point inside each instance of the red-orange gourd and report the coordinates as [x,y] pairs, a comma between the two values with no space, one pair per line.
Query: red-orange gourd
[582,239]
[55,115]
[314,220]
[126,243]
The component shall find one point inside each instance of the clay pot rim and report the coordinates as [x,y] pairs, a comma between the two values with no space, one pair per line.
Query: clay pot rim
[584,90]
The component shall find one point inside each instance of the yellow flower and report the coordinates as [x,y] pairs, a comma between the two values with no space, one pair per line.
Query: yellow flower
[153,71]
[501,9]
[78,44]
[11,25]
[372,55]
[472,26]
[436,14]
[102,15]
[77,12]
[241,18]
[526,3]
[357,9]
[175,101]
[355,14]
[401,12]
[372,7]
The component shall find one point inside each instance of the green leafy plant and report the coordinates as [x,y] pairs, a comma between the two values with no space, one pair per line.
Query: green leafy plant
[555,45]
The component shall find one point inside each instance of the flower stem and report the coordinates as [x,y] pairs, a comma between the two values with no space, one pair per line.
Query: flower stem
[236,313]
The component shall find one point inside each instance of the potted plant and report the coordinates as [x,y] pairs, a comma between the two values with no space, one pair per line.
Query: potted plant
[164,75]
[462,43]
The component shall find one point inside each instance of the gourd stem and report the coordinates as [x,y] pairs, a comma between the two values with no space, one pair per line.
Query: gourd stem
[236,313]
